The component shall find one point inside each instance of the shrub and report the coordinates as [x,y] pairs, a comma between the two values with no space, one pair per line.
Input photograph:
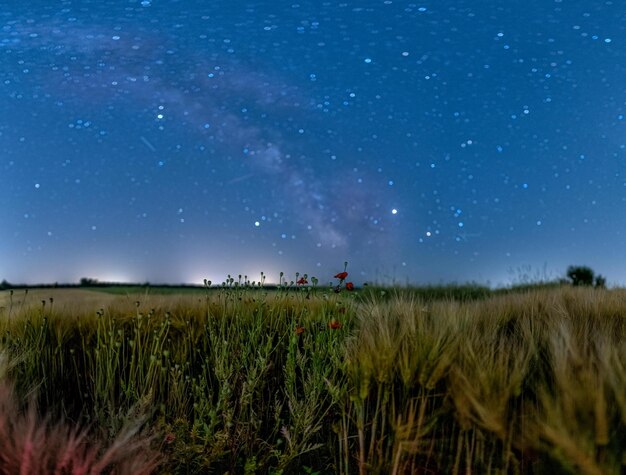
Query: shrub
[600,282]
[580,275]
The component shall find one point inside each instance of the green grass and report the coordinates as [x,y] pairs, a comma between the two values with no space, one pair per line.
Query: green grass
[452,379]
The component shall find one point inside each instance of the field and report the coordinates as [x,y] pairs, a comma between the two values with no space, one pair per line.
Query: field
[306,380]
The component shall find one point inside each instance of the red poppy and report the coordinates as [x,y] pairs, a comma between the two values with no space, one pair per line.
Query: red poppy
[349,286]
[334,325]
[299,329]
[302,281]
[169,438]
[341,275]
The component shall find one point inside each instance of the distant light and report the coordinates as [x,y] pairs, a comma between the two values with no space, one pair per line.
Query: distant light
[368,60]
[394,211]
[428,233]
[160,116]
[607,40]
[257,224]
[36,185]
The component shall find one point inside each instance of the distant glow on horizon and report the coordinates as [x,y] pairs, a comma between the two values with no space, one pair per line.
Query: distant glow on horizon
[199,280]
[118,278]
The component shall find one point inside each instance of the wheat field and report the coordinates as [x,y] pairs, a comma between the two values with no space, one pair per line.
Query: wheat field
[306,380]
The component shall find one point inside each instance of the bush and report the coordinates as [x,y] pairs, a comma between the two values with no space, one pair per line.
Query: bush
[599,282]
[580,275]
[88,282]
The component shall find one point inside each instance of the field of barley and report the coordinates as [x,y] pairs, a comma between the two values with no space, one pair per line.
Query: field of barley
[241,379]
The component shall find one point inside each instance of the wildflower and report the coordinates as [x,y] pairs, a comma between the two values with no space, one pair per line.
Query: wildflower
[334,324]
[299,329]
[341,275]
[349,286]
[169,438]
[302,281]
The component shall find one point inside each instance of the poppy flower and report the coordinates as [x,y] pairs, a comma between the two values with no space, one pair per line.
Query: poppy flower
[334,325]
[169,438]
[299,329]
[349,286]
[341,275]
[302,281]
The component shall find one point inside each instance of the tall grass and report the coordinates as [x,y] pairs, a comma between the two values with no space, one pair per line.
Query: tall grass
[248,381]
[31,444]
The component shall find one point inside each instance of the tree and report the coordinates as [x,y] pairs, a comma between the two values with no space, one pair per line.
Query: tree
[87,281]
[580,275]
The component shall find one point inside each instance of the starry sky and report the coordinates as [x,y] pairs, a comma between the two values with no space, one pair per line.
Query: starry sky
[429,141]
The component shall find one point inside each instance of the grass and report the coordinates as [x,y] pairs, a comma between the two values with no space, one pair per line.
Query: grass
[241,380]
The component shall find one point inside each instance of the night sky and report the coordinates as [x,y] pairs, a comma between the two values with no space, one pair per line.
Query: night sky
[435,141]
